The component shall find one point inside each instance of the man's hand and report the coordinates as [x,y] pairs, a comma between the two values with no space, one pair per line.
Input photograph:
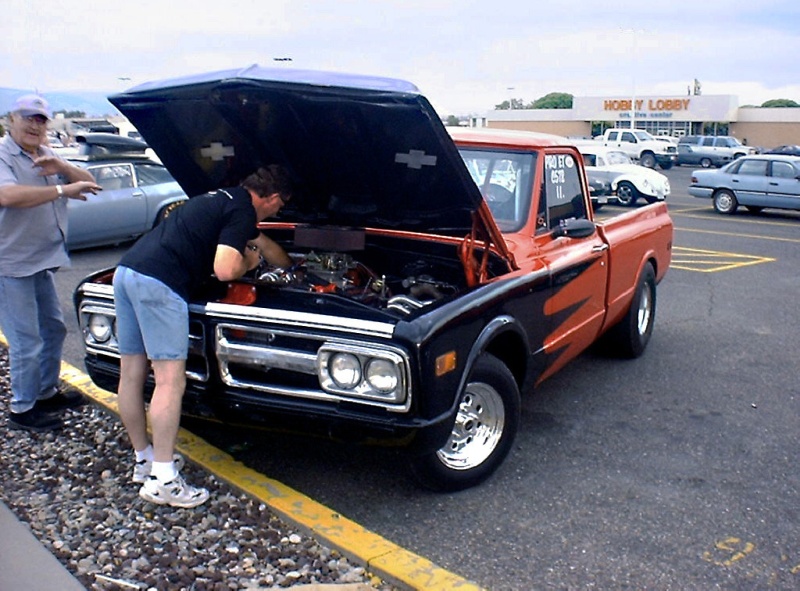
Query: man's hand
[50,165]
[77,190]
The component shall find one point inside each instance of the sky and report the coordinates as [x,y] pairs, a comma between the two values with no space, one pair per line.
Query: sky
[465,56]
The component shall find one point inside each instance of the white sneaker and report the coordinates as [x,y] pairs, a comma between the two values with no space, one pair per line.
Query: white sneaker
[141,470]
[175,493]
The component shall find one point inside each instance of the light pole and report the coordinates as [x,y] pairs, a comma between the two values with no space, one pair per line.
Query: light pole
[510,90]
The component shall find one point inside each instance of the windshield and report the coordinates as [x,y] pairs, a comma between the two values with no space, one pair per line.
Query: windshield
[505,180]
[617,158]
[643,136]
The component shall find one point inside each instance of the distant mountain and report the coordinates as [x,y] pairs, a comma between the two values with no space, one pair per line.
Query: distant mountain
[93,104]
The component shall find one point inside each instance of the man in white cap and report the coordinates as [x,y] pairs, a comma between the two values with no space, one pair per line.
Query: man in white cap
[35,184]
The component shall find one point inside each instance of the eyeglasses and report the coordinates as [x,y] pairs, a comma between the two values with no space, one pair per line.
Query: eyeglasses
[39,119]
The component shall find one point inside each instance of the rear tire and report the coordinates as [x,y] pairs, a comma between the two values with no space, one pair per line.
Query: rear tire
[629,337]
[166,210]
[483,431]
[725,202]
[648,160]
[705,162]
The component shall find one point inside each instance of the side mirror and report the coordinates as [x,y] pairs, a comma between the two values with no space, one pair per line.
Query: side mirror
[574,228]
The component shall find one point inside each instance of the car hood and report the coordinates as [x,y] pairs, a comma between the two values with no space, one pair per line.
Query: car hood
[365,151]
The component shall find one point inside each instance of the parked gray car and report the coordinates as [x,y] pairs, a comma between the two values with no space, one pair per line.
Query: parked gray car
[756,182]
[137,193]
[710,150]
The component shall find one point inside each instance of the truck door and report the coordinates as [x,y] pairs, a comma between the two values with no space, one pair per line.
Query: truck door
[578,265]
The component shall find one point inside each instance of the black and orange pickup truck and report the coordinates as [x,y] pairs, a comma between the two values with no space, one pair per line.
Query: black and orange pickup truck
[439,274]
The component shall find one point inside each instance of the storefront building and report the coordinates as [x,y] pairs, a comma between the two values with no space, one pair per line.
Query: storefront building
[660,115]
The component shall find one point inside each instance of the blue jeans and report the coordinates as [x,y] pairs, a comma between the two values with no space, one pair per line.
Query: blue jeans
[31,319]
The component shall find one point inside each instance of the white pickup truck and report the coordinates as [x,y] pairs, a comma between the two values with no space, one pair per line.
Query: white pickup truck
[641,147]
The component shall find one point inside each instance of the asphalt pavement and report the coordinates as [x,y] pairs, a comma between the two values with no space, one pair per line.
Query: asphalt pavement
[673,471]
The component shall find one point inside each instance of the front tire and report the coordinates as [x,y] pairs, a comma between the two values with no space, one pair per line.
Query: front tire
[705,162]
[629,337]
[725,202]
[627,194]
[482,434]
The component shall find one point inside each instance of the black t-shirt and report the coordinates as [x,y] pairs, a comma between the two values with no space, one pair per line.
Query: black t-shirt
[180,250]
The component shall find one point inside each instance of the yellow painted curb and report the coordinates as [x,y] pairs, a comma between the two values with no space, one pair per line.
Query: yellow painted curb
[380,556]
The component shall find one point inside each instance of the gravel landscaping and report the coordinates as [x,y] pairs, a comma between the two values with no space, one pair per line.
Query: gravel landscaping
[73,489]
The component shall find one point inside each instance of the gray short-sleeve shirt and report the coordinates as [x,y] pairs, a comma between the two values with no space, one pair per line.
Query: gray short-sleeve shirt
[32,239]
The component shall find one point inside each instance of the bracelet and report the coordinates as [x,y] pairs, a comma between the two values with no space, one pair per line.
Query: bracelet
[60,190]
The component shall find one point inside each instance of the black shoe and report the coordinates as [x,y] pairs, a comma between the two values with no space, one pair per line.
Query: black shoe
[61,400]
[34,420]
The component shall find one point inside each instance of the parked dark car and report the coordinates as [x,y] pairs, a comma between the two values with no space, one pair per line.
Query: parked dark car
[695,156]
[138,192]
[787,150]
[753,181]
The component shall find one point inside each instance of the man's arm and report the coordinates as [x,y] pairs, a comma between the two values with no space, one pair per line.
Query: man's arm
[30,196]
[80,182]
[272,252]
[230,264]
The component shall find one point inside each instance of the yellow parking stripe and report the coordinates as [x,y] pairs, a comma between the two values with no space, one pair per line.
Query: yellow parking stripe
[740,235]
[383,558]
[711,261]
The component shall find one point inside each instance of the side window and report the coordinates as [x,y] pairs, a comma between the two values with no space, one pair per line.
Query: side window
[113,177]
[612,136]
[562,189]
[627,136]
[708,141]
[152,174]
[753,167]
[783,170]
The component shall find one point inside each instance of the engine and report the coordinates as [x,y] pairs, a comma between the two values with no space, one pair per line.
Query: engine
[341,274]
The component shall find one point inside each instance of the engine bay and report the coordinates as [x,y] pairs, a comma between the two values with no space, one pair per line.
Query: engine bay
[343,274]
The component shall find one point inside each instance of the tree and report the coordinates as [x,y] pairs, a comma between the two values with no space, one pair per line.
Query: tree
[554,100]
[512,104]
[452,121]
[780,103]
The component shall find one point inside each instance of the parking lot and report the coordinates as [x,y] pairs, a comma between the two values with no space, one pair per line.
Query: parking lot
[673,471]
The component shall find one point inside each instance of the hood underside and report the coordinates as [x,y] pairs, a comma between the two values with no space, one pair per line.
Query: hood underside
[364,151]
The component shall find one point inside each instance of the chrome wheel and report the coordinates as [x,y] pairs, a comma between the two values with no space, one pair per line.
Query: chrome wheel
[645,313]
[482,433]
[477,430]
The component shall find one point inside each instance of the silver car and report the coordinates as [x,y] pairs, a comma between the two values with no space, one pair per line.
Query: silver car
[138,192]
[753,181]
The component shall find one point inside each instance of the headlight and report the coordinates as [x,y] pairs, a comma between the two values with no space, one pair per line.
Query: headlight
[382,375]
[364,373]
[345,370]
[100,327]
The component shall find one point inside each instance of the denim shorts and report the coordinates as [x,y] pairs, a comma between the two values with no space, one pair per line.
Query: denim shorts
[151,318]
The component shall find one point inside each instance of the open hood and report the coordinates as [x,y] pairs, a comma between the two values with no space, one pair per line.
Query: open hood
[365,151]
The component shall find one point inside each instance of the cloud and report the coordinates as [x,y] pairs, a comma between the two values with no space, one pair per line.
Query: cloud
[464,55]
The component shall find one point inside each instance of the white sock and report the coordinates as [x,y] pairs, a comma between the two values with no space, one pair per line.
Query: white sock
[164,471]
[146,454]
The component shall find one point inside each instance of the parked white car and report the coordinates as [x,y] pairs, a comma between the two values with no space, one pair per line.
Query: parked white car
[628,181]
